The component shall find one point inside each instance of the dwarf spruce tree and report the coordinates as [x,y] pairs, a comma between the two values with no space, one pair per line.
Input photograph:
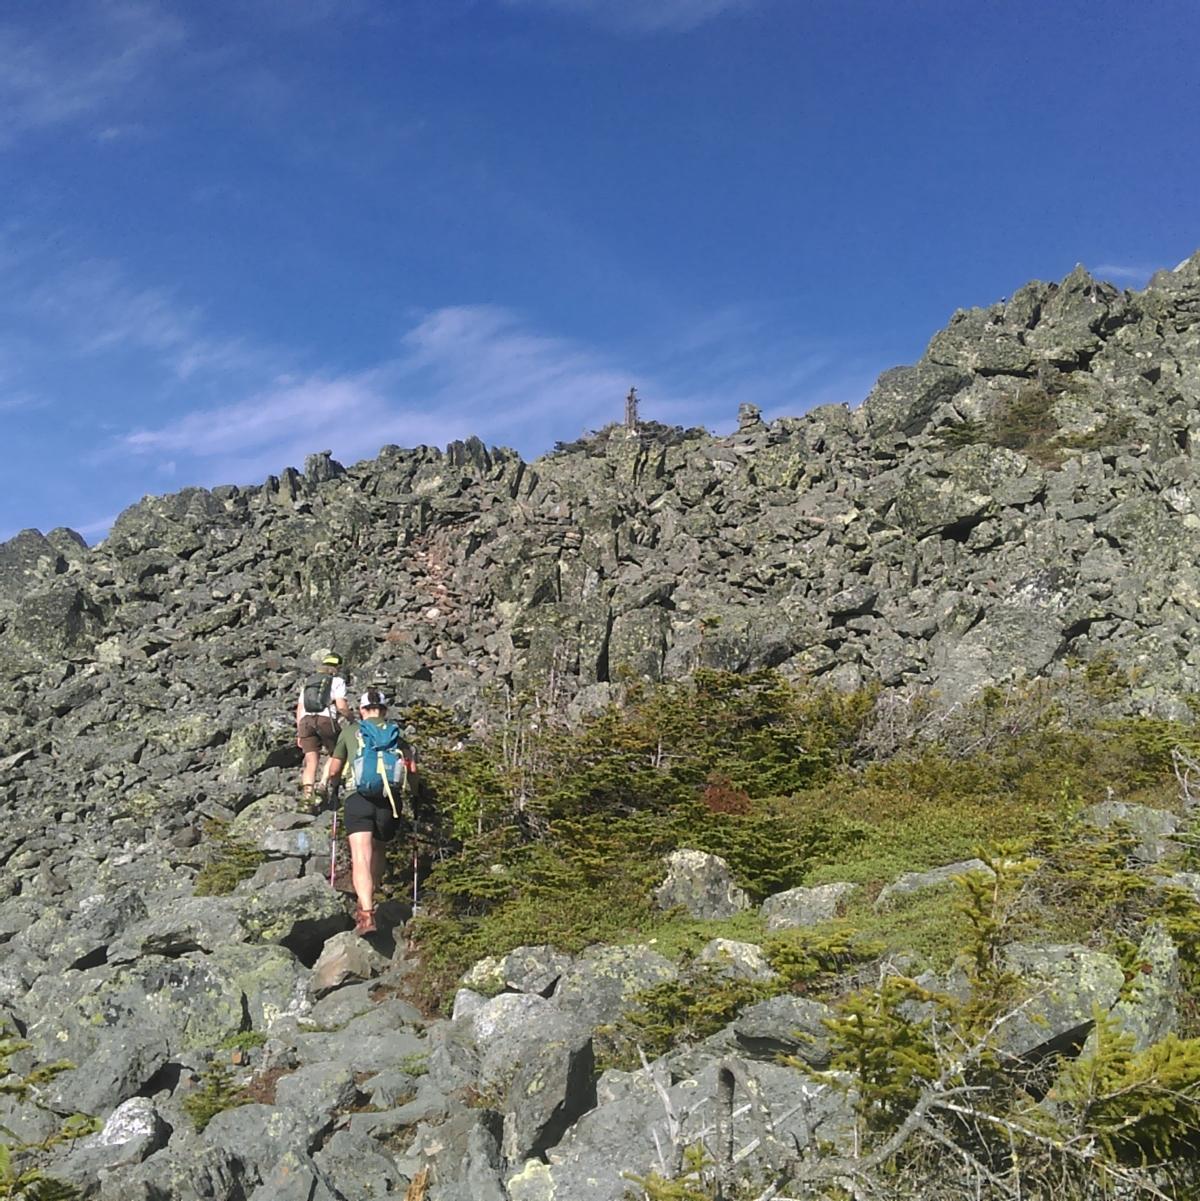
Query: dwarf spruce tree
[22,1163]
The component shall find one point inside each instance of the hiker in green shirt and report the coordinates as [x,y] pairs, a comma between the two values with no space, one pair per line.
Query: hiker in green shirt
[381,763]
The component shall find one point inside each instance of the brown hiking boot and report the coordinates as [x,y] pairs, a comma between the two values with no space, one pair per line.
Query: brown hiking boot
[364,921]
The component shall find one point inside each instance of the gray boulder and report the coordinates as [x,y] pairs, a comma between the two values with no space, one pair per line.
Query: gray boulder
[26,561]
[298,914]
[1154,829]
[268,980]
[1149,1012]
[700,884]
[295,1176]
[938,877]
[466,1002]
[736,960]
[523,969]
[600,984]
[800,907]
[134,1131]
[256,1138]
[1061,985]
[187,924]
[345,959]
[464,1154]
[784,1026]
[317,1093]
[198,1172]
[377,1040]
[775,1110]
[354,1000]
[360,1166]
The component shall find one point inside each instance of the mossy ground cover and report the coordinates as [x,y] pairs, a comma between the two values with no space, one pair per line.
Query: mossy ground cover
[553,833]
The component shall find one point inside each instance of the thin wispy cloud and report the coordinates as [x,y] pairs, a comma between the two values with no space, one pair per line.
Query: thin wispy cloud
[16,402]
[461,371]
[91,308]
[503,373]
[1135,275]
[112,134]
[96,527]
[247,440]
[640,16]
[77,66]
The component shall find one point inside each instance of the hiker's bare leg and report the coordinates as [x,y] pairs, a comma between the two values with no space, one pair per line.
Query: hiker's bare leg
[311,761]
[363,869]
[378,864]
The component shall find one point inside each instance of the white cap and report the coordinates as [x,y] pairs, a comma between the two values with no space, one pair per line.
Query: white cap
[365,701]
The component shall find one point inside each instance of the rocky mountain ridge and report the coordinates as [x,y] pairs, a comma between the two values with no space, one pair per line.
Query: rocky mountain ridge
[907,541]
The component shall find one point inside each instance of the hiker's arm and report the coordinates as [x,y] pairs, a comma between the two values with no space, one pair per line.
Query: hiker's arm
[299,715]
[337,695]
[337,761]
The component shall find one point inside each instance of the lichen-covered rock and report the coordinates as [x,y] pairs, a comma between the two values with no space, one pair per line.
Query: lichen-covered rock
[134,1131]
[299,914]
[188,924]
[1149,1012]
[601,982]
[59,622]
[27,561]
[256,1138]
[623,1135]
[464,1153]
[784,1026]
[799,907]
[1062,985]
[701,885]
[317,1093]
[195,1172]
[535,1067]
[736,960]
[295,1176]
[384,1037]
[360,1166]
[523,969]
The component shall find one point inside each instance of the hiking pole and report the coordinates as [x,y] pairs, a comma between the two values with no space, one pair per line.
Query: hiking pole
[414,904]
[333,848]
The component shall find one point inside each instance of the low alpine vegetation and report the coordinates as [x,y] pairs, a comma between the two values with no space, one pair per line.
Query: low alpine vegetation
[544,831]
[232,861]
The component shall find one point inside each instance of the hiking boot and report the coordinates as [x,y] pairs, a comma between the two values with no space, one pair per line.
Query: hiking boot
[364,921]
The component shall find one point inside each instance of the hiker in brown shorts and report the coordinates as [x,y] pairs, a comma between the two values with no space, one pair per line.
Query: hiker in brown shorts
[321,702]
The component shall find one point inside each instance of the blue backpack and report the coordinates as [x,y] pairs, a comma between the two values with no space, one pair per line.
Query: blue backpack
[383,762]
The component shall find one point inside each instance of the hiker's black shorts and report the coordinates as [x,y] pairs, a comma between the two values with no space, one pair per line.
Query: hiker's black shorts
[366,816]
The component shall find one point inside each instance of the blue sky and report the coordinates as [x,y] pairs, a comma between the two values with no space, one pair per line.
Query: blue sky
[236,232]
